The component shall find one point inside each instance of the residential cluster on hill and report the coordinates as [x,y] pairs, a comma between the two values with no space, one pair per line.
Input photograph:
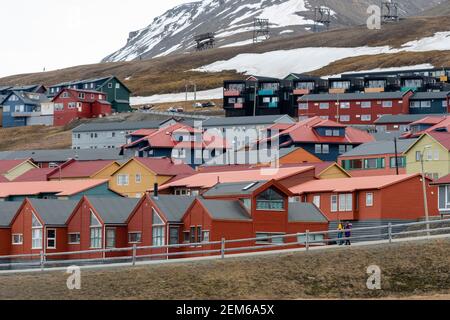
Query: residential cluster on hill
[352,98]
[62,103]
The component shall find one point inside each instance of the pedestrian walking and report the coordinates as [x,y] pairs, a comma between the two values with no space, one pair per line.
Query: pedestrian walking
[348,233]
[340,234]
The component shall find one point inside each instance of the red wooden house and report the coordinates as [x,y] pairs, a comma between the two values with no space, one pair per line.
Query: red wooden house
[99,223]
[7,212]
[72,104]
[354,108]
[370,201]
[39,225]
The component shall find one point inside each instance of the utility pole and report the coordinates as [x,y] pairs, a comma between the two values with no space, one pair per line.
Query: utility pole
[396,156]
[424,189]
[254,103]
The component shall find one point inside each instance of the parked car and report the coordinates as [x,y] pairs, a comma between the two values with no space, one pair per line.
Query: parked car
[197,105]
[208,104]
[175,109]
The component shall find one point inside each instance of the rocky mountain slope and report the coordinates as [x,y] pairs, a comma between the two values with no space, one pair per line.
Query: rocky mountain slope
[232,23]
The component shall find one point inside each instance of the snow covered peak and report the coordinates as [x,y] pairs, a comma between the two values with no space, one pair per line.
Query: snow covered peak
[232,23]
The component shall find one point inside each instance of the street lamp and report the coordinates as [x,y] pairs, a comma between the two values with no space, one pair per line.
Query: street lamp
[424,189]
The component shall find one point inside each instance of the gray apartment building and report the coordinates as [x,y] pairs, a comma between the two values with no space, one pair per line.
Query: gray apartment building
[110,135]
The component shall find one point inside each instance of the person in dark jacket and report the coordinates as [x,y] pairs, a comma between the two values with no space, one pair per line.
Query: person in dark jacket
[348,233]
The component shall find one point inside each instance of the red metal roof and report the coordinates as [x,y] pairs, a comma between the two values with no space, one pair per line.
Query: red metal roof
[37,174]
[350,184]
[7,165]
[443,180]
[443,124]
[60,188]
[205,180]
[80,169]
[304,131]
[165,166]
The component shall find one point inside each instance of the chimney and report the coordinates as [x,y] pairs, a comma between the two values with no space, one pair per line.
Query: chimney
[155,190]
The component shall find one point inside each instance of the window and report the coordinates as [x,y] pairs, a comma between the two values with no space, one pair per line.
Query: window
[366,117]
[401,162]
[336,133]
[96,232]
[316,201]
[334,203]
[414,104]
[303,106]
[173,235]
[117,85]
[322,148]
[17,239]
[387,104]
[425,104]
[345,105]
[345,202]
[328,133]
[192,235]
[345,118]
[110,238]
[342,149]
[74,238]
[36,233]
[6,109]
[444,104]
[122,180]
[369,199]
[418,155]
[138,178]
[205,236]
[81,95]
[51,238]
[374,163]
[110,85]
[199,234]
[134,237]
[324,105]
[325,148]
[270,200]
[158,238]
[444,197]
[247,203]
[65,94]
[260,238]
[366,104]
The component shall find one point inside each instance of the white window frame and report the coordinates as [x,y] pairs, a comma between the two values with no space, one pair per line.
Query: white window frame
[138,178]
[33,237]
[159,226]
[48,238]
[316,201]
[114,230]
[72,234]
[96,228]
[126,180]
[369,199]
[334,203]
[345,202]
[20,235]
[135,233]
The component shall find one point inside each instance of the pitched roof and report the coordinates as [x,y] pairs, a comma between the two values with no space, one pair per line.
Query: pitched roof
[305,212]
[225,209]
[80,169]
[165,166]
[379,147]
[54,212]
[118,126]
[401,118]
[350,184]
[352,96]
[8,210]
[36,174]
[173,207]
[304,131]
[239,121]
[114,210]
[442,180]
[7,165]
[62,155]
[206,180]
[234,188]
[30,98]
[442,137]
[59,188]
[430,95]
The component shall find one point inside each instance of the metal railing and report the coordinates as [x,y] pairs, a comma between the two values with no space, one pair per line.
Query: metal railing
[384,234]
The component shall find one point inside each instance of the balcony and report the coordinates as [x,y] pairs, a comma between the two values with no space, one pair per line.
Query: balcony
[26,114]
[374,90]
[266,92]
[301,91]
[337,90]
[231,93]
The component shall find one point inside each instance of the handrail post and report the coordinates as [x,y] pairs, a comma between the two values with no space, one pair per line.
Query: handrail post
[307,240]
[390,232]
[134,255]
[222,249]
[42,260]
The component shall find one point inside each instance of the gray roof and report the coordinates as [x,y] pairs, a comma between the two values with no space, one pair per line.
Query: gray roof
[430,95]
[380,147]
[237,188]
[116,126]
[31,98]
[404,118]
[54,212]
[239,121]
[114,210]
[173,207]
[352,96]
[305,212]
[384,136]
[62,155]
[226,209]
[249,156]
[8,210]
